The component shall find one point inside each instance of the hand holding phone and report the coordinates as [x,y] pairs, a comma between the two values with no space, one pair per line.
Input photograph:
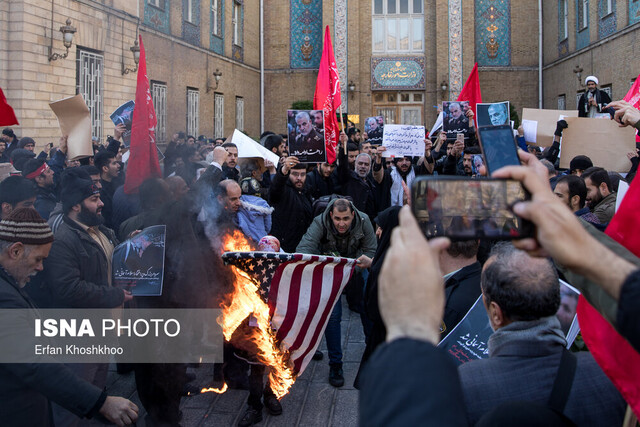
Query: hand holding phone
[498,147]
[469,209]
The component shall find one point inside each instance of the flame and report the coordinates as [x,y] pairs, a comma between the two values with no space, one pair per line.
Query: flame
[245,301]
[215,390]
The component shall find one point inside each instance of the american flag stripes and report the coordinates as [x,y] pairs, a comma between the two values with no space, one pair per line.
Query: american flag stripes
[301,291]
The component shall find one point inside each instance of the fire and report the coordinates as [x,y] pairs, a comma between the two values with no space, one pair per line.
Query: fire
[245,301]
[215,390]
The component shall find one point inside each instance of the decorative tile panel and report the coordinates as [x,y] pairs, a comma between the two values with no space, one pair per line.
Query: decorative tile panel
[582,33]
[157,18]
[563,48]
[634,11]
[493,33]
[455,48]
[397,73]
[191,30]
[340,46]
[216,42]
[306,33]
[606,24]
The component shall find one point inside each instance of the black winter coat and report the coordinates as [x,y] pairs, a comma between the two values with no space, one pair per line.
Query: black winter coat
[461,292]
[45,201]
[27,388]
[76,271]
[292,213]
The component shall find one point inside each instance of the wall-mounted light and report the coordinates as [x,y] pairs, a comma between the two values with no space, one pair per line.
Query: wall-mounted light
[67,39]
[352,88]
[444,86]
[217,75]
[135,50]
[578,71]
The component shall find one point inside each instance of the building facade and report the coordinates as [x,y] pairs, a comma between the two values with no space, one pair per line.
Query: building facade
[396,58]
[589,37]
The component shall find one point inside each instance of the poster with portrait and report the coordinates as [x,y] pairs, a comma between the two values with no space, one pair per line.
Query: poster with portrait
[469,339]
[454,120]
[138,263]
[374,127]
[306,135]
[493,114]
[124,116]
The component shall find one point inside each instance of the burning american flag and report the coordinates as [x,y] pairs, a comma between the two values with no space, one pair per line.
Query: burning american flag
[291,297]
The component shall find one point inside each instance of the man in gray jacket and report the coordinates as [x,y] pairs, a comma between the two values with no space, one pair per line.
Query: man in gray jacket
[528,360]
[341,230]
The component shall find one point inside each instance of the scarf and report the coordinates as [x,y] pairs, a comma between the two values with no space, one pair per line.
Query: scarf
[397,192]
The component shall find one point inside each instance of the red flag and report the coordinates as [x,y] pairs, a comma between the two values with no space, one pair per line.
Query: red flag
[327,97]
[633,98]
[143,159]
[7,116]
[617,358]
[471,89]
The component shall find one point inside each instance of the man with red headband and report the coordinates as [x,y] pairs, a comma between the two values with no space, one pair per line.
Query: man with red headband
[39,172]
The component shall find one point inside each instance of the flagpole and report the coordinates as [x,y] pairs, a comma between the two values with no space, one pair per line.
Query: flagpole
[343,129]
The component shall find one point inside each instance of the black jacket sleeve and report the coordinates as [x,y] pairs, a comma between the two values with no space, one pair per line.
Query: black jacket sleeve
[343,166]
[277,186]
[628,318]
[411,383]
[552,154]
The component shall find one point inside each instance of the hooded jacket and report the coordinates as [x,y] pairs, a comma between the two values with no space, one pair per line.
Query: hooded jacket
[323,239]
[254,217]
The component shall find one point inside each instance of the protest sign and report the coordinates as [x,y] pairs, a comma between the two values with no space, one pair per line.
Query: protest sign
[469,340]
[493,114]
[539,125]
[306,136]
[455,121]
[403,140]
[374,127]
[123,116]
[74,119]
[138,263]
[603,141]
[250,149]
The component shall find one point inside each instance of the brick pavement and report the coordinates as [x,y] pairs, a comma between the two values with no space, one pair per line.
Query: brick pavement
[311,401]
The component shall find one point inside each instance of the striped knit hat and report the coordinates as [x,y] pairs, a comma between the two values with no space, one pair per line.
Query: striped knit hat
[25,225]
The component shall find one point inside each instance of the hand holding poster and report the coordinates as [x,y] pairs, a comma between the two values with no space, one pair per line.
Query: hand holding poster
[306,135]
[374,127]
[138,263]
[403,140]
[75,121]
[493,114]
[455,121]
[124,116]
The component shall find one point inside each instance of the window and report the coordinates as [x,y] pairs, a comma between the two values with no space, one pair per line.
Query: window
[156,3]
[562,102]
[608,90]
[578,95]
[564,10]
[193,106]
[239,113]
[159,96]
[89,84]
[583,14]
[609,7]
[398,26]
[215,30]
[237,18]
[189,13]
[218,118]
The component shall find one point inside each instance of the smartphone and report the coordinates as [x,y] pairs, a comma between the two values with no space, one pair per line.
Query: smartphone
[498,146]
[460,137]
[469,209]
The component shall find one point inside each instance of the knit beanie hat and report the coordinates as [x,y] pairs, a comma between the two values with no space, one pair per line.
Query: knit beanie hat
[26,226]
[25,141]
[8,132]
[33,168]
[580,162]
[76,185]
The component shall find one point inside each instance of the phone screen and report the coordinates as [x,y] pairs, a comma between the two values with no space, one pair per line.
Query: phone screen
[469,209]
[498,146]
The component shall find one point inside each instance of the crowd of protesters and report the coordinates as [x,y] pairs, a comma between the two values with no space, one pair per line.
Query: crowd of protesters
[75,211]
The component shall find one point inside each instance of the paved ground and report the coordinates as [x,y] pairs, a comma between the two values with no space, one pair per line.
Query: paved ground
[311,401]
